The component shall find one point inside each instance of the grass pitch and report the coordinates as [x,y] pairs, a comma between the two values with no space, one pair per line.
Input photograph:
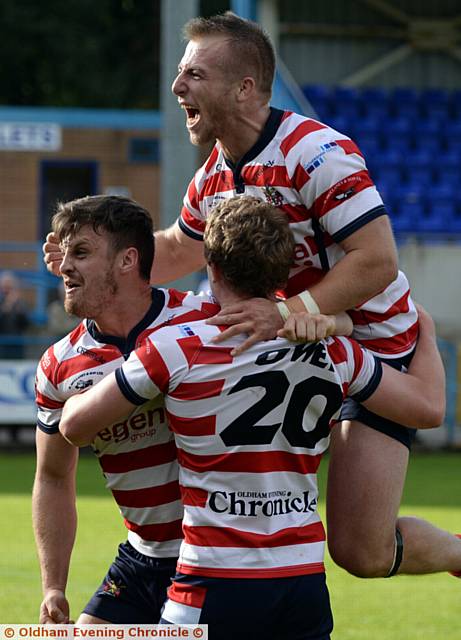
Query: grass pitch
[403,608]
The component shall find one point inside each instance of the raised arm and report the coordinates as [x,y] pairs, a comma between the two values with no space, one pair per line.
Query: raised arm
[85,414]
[55,521]
[416,398]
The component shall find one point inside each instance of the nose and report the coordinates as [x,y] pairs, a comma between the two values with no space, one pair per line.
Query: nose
[66,264]
[179,86]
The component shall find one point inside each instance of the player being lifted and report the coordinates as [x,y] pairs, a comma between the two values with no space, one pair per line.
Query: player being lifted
[250,432]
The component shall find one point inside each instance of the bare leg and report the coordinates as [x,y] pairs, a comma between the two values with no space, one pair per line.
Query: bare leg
[366,475]
[365,481]
[85,618]
[428,549]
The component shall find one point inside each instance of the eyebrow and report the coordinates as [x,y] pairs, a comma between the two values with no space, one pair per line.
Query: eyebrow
[81,242]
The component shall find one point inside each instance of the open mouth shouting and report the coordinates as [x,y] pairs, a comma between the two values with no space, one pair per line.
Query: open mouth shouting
[192,115]
[70,286]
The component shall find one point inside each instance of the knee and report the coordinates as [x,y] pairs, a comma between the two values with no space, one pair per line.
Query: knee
[360,558]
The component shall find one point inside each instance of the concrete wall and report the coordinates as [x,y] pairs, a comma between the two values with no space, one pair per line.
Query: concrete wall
[434,272]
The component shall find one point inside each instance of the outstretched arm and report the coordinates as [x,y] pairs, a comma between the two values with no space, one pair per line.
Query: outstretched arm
[85,414]
[416,398]
[55,521]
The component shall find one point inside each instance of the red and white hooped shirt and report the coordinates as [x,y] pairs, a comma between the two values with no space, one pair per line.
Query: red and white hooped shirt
[137,455]
[319,178]
[250,432]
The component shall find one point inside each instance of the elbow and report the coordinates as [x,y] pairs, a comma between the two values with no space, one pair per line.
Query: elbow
[434,414]
[389,270]
[73,434]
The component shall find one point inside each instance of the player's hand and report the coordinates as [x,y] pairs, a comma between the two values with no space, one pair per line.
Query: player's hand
[307,327]
[257,317]
[54,608]
[426,323]
[52,254]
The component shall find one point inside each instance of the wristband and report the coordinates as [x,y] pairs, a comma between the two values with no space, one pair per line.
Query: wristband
[309,302]
[283,310]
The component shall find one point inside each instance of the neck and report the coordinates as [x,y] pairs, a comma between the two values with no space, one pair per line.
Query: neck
[247,129]
[128,308]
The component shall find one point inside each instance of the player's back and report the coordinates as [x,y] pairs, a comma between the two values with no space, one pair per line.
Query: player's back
[250,432]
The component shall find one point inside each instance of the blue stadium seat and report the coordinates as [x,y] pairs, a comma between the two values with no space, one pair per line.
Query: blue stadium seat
[427,134]
[374,95]
[342,124]
[435,103]
[400,125]
[442,193]
[423,175]
[388,168]
[451,133]
[420,168]
[370,126]
[320,98]
[345,94]
[448,167]
[404,218]
[401,142]
[437,217]
[455,222]
[456,104]
[405,102]
[375,102]
[370,145]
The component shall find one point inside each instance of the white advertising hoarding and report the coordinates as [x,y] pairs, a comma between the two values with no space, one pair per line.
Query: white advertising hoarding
[17,398]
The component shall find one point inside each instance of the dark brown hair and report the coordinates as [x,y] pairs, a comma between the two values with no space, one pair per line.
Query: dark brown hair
[126,222]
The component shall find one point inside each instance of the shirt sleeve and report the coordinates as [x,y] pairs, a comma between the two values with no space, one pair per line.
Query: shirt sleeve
[359,370]
[337,188]
[48,398]
[155,368]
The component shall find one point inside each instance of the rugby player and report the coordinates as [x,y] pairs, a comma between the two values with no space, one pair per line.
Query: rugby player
[107,258]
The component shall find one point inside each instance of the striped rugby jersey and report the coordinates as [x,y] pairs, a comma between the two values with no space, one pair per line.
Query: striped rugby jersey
[250,432]
[318,177]
[137,455]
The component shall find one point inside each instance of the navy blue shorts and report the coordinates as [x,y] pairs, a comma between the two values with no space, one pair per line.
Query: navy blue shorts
[134,589]
[352,410]
[295,608]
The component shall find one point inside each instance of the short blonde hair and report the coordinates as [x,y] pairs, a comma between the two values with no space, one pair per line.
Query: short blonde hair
[250,49]
[251,243]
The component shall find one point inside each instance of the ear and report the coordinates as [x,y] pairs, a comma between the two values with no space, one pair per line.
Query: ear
[214,273]
[246,89]
[128,260]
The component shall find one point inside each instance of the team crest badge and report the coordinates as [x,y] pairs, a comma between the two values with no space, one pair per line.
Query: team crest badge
[111,588]
[273,197]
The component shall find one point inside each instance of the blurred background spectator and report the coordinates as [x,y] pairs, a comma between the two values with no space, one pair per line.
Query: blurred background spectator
[14,317]
[59,321]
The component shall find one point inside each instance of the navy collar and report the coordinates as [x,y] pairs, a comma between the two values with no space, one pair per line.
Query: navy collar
[126,345]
